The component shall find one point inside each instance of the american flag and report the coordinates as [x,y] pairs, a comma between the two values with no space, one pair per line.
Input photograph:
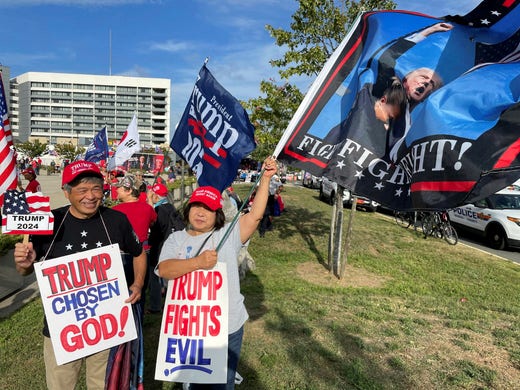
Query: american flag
[8,175]
[24,203]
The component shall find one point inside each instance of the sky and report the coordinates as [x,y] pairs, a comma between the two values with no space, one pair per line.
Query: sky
[160,38]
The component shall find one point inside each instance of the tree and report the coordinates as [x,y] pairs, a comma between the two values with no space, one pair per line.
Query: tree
[69,151]
[31,149]
[317,29]
[271,114]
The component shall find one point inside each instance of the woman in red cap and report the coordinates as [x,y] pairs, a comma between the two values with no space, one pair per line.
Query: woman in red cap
[194,248]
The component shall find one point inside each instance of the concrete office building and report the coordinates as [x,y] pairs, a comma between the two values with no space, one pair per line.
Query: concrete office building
[57,108]
[6,75]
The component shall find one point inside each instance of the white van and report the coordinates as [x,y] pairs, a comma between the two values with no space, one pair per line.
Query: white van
[496,218]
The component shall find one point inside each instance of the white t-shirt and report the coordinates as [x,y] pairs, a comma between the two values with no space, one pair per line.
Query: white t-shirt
[181,245]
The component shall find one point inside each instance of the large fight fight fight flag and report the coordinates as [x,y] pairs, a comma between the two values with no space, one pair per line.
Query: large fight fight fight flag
[214,133]
[453,141]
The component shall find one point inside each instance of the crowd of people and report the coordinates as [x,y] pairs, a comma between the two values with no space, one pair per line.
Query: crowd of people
[156,243]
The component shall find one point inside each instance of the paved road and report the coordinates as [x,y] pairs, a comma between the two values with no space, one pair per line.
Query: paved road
[51,186]
[478,243]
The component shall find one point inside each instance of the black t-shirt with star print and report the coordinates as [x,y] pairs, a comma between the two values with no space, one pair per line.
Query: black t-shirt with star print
[77,235]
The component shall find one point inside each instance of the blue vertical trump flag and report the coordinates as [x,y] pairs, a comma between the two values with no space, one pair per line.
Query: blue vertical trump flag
[214,133]
[98,148]
[415,111]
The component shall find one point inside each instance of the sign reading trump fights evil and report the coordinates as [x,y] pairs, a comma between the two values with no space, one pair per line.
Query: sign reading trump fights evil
[194,330]
[83,296]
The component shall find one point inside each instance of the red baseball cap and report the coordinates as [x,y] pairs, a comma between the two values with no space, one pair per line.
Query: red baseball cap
[208,196]
[73,170]
[160,189]
[28,170]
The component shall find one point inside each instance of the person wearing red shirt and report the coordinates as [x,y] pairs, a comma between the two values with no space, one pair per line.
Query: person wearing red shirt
[33,185]
[140,214]
[112,181]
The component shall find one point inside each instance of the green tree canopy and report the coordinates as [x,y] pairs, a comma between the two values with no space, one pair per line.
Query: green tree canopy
[318,27]
[31,149]
[69,151]
[271,114]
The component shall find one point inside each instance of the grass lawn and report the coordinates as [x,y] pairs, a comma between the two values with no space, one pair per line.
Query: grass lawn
[409,313]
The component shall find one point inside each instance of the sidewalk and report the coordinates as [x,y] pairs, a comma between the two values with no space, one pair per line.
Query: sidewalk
[26,292]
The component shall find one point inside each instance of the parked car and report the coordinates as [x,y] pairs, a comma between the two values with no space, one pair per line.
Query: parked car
[496,218]
[328,190]
[311,181]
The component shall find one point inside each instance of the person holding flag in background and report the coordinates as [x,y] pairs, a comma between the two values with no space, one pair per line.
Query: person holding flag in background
[30,176]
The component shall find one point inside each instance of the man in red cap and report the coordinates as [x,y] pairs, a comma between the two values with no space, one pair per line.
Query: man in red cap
[30,176]
[168,221]
[83,225]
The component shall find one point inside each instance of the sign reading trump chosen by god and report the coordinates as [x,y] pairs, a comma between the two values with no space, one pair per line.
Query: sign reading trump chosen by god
[83,296]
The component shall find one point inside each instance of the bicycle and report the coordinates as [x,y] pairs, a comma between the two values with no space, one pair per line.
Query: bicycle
[405,219]
[437,224]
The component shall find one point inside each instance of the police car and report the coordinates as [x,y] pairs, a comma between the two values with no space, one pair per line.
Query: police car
[496,218]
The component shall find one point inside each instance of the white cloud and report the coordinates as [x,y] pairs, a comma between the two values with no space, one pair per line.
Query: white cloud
[135,71]
[170,46]
[16,59]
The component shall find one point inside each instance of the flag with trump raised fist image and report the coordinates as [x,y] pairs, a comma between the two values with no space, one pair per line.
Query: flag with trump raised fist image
[416,111]
[214,133]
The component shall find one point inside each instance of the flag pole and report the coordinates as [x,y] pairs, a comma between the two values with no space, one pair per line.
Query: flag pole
[235,218]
